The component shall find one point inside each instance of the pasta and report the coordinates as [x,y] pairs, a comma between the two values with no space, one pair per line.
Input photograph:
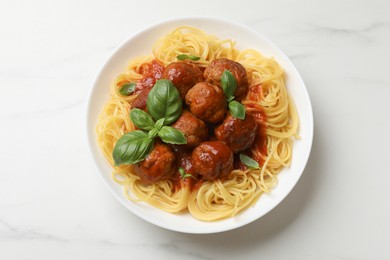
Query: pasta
[267,100]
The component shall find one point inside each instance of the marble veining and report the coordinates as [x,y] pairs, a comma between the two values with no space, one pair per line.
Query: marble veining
[14,232]
[53,206]
[358,30]
[43,112]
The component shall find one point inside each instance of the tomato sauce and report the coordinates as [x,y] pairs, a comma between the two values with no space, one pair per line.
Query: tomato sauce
[151,73]
[260,144]
[179,182]
[183,160]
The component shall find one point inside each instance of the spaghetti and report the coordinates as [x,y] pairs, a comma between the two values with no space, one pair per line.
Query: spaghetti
[267,100]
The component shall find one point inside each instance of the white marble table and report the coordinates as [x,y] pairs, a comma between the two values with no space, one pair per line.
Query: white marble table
[52,204]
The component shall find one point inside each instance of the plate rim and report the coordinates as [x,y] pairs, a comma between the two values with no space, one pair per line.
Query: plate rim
[92,144]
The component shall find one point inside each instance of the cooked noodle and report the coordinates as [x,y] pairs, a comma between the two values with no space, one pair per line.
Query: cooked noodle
[221,198]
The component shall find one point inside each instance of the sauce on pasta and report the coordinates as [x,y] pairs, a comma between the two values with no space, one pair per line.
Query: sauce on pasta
[204,196]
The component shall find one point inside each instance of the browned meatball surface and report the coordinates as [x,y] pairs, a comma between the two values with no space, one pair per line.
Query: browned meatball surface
[184,160]
[207,102]
[194,129]
[183,75]
[212,160]
[140,100]
[238,134]
[158,165]
[214,71]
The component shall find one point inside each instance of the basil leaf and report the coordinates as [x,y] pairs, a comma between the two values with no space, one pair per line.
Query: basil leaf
[187,57]
[228,83]
[159,124]
[164,101]
[230,99]
[141,119]
[171,135]
[153,133]
[183,173]
[249,162]
[127,89]
[237,109]
[132,147]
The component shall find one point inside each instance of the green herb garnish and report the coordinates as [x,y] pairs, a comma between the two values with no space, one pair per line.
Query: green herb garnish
[187,57]
[164,102]
[164,106]
[132,147]
[237,109]
[183,173]
[142,119]
[249,162]
[229,86]
[127,88]
[171,135]
[228,83]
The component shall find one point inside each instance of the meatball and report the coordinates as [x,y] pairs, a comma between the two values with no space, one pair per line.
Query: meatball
[140,100]
[214,71]
[207,102]
[238,134]
[184,160]
[183,75]
[212,160]
[194,129]
[158,165]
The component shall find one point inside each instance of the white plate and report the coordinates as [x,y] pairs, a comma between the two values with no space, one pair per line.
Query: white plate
[141,44]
